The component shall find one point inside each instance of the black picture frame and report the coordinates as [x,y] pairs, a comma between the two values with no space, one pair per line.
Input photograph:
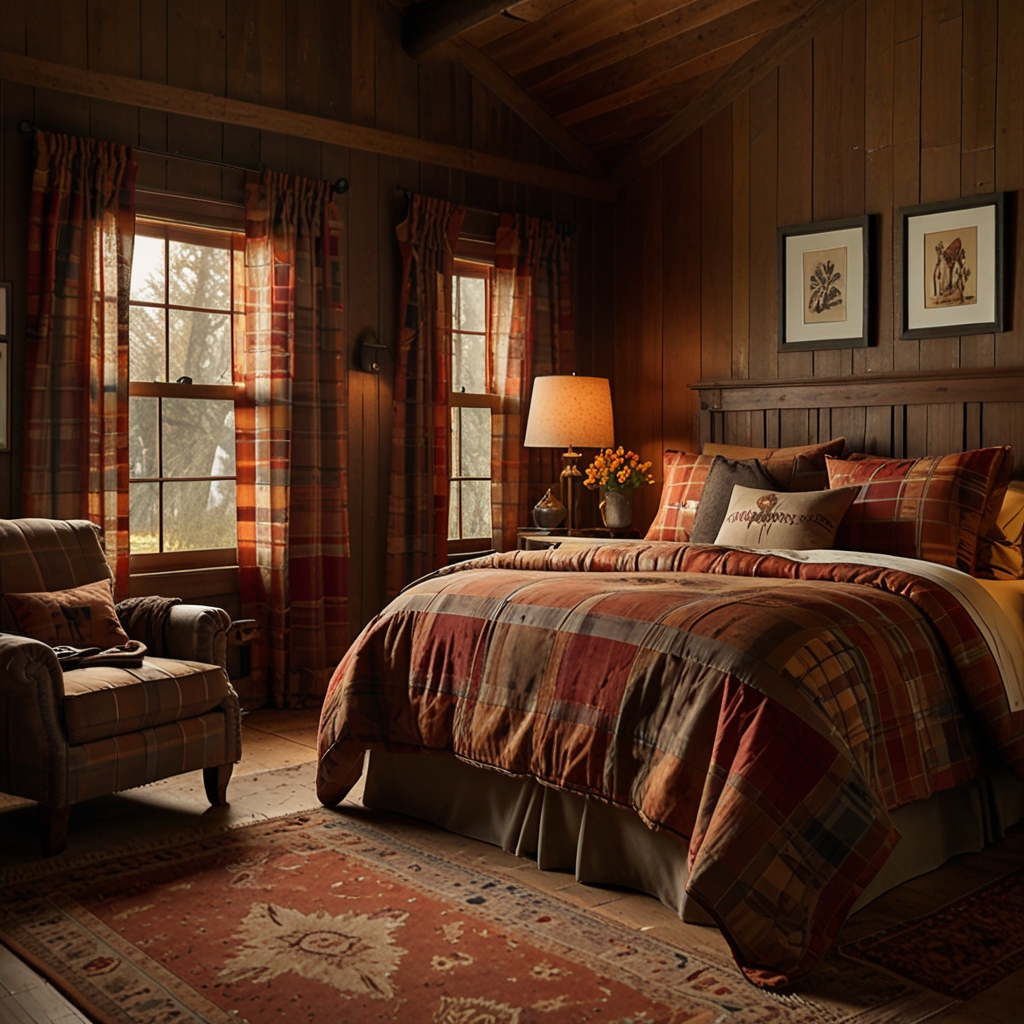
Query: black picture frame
[996,258]
[785,285]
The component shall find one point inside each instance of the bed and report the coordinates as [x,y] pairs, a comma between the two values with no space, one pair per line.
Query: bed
[737,732]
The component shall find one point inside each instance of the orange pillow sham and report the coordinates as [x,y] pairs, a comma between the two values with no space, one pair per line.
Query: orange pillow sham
[684,475]
[800,468]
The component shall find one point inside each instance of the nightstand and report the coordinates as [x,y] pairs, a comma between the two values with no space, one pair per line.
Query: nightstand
[532,539]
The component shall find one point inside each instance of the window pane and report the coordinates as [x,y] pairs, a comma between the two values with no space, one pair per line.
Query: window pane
[200,347]
[146,343]
[476,443]
[199,438]
[470,304]
[199,275]
[469,363]
[143,517]
[456,452]
[148,269]
[199,514]
[454,511]
[476,508]
[143,454]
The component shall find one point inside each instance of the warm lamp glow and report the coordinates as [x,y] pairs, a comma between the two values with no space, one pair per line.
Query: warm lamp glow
[567,411]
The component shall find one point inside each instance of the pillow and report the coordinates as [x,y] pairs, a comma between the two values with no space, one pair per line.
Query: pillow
[796,469]
[999,550]
[81,617]
[934,508]
[760,518]
[684,475]
[723,476]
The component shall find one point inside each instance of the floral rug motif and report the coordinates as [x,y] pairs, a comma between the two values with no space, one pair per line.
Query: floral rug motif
[960,950]
[325,916]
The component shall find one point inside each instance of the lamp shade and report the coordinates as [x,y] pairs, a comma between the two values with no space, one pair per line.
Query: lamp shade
[566,411]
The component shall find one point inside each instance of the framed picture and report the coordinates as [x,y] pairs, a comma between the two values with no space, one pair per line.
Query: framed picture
[952,267]
[5,365]
[823,280]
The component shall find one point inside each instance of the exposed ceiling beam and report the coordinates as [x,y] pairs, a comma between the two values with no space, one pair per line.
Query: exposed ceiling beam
[154,96]
[758,61]
[509,92]
[433,22]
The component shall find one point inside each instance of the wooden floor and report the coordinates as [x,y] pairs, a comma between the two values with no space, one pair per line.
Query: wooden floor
[276,776]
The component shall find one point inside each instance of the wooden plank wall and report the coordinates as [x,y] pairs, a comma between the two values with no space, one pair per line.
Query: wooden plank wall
[896,102]
[334,58]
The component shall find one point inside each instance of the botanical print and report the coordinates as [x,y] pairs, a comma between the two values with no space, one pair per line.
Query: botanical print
[825,286]
[353,953]
[949,261]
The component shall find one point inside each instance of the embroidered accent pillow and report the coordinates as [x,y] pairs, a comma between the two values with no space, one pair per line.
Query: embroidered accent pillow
[760,518]
[935,508]
[683,474]
[1000,554]
[723,476]
[80,617]
[801,468]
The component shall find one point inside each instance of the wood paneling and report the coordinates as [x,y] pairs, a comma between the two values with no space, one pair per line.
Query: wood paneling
[892,103]
[332,60]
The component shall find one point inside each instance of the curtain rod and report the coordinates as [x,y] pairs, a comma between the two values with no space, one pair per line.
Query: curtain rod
[338,187]
[570,229]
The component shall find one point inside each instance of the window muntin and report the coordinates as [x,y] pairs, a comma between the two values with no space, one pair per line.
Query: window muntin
[186,315]
[469,503]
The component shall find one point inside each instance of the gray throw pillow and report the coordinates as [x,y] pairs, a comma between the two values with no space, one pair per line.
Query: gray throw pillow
[723,476]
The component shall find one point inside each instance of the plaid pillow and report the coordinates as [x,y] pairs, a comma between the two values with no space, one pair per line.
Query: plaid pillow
[934,508]
[801,468]
[684,475]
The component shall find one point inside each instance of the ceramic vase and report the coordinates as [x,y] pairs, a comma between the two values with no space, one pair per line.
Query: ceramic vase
[549,513]
[617,509]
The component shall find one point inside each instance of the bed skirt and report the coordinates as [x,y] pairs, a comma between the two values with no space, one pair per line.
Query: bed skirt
[605,845]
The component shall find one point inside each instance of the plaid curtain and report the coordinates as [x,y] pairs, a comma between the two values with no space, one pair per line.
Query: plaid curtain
[418,496]
[531,335]
[80,236]
[291,443]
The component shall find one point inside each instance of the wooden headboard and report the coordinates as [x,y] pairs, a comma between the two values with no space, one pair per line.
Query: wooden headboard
[897,415]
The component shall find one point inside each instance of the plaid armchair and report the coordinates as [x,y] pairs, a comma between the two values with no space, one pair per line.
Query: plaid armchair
[69,736]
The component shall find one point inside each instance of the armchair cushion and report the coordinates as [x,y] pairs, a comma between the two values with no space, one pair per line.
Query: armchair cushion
[81,617]
[100,702]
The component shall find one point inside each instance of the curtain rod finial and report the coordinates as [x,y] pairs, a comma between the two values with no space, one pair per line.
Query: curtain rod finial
[340,187]
[26,127]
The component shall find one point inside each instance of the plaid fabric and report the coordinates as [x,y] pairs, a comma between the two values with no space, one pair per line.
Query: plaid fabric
[797,469]
[767,710]
[290,438]
[138,758]
[80,237]
[934,508]
[103,701]
[684,475]
[532,335]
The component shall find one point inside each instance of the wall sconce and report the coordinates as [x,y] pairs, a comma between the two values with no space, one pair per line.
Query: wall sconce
[371,351]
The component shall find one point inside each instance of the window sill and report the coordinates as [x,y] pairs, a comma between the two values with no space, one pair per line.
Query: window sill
[188,584]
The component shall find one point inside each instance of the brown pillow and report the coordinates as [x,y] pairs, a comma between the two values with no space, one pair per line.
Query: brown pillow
[723,476]
[801,468]
[759,518]
[81,617]
[1000,554]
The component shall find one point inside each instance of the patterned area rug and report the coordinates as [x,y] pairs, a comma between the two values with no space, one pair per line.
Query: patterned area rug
[324,916]
[960,950]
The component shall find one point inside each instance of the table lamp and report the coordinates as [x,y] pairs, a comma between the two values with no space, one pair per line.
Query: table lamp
[566,411]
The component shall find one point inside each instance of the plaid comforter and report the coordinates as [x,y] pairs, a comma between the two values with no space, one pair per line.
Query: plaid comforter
[770,712]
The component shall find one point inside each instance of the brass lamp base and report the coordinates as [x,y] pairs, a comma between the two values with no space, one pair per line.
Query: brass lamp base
[571,481]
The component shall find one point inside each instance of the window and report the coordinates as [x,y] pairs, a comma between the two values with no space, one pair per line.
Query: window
[187,314]
[469,504]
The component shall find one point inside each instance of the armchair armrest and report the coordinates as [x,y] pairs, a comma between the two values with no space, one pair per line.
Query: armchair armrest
[198,632]
[33,754]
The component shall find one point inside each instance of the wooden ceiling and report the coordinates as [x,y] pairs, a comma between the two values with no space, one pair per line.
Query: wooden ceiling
[612,74]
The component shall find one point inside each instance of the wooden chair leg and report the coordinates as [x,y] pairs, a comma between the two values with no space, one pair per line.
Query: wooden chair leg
[53,829]
[216,782]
